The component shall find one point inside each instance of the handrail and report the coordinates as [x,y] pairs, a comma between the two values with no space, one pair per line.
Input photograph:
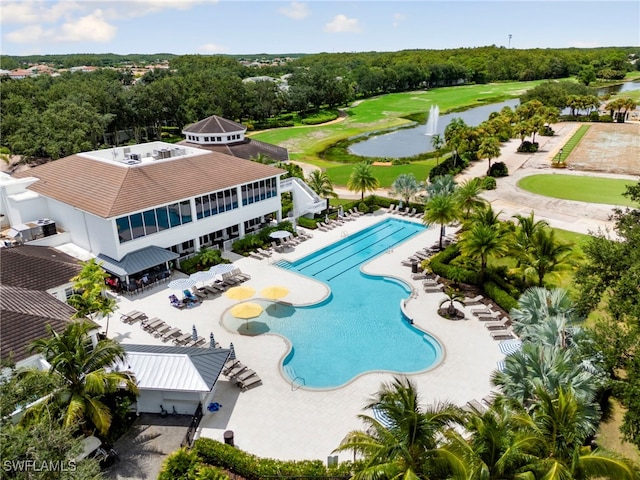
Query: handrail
[293,383]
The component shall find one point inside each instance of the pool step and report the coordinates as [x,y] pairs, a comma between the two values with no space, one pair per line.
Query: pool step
[285,264]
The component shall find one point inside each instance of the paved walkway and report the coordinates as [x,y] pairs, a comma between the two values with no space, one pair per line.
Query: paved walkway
[278,421]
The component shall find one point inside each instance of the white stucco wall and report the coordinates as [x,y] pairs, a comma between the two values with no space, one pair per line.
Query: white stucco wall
[149,401]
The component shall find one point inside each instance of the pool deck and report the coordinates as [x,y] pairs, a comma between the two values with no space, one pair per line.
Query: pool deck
[280,421]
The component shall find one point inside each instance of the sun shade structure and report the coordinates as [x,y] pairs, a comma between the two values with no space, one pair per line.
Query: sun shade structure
[202,276]
[221,268]
[274,292]
[181,284]
[280,234]
[240,293]
[246,310]
[137,261]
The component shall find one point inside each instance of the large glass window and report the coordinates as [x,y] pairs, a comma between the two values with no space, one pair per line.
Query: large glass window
[257,191]
[174,215]
[185,211]
[124,230]
[137,226]
[150,225]
[163,218]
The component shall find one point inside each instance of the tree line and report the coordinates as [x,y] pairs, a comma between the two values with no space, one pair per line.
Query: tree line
[52,117]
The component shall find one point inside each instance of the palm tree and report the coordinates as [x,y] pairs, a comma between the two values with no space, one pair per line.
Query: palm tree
[362,179]
[320,183]
[453,135]
[440,209]
[537,304]
[88,288]
[441,185]
[481,242]
[406,187]
[562,424]
[453,295]
[84,371]
[545,255]
[468,196]
[489,148]
[406,446]
[437,142]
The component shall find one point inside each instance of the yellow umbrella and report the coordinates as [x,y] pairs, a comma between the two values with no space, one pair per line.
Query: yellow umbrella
[274,292]
[246,310]
[240,293]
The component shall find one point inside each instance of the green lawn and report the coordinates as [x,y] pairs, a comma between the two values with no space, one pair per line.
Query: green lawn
[572,142]
[339,175]
[579,188]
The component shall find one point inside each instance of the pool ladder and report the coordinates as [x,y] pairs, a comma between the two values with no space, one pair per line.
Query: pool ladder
[297,381]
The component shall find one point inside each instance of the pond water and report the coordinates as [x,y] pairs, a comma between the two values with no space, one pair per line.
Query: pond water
[408,142]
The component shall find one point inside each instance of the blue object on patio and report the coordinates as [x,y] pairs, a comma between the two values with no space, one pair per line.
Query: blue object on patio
[232,353]
[214,407]
[510,346]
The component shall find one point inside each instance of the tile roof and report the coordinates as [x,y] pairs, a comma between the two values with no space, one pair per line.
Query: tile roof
[36,268]
[24,316]
[214,124]
[247,149]
[163,367]
[110,190]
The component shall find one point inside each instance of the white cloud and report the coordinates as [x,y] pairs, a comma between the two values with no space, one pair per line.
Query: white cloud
[32,12]
[91,28]
[140,8]
[397,18]
[212,48]
[28,34]
[341,24]
[295,10]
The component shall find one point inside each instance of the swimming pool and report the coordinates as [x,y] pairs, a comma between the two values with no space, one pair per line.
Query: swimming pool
[359,328]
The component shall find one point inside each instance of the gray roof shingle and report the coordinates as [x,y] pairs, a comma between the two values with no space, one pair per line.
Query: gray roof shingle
[36,268]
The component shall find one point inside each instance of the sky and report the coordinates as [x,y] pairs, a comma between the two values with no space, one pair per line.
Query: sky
[278,27]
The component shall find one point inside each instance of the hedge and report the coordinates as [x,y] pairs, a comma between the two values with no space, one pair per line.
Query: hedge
[498,295]
[440,265]
[252,467]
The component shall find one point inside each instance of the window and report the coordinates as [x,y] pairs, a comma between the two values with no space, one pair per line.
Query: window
[150,224]
[124,230]
[185,211]
[174,215]
[137,226]
[163,218]
[206,206]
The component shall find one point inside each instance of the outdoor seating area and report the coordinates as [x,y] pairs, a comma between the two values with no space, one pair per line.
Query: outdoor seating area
[161,329]
[139,282]
[241,375]
[405,212]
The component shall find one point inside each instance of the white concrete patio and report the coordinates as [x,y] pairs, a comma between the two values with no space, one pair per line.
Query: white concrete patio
[278,421]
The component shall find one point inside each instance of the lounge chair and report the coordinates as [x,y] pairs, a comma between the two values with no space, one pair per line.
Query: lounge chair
[235,371]
[189,296]
[474,405]
[182,339]
[264,252]
[250,383]
[256,256]
[431,282]
[213,290]
[173,333]
[237,273]
[244,376]
[492,317]
[199,294]
[501,325]
[433,288]
[161,330]
[501,335]
[411,213]
[481,311]
[419,276]
[355,211]
[199,342]
[473,301]
[391,208]
[230,365]
[405,212]
[133,317]
[175,302]
[150,324]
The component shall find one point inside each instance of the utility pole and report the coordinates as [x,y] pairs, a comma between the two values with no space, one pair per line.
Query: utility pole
[509,41]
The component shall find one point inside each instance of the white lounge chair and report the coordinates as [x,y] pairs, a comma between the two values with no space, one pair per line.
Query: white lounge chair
[391,208]
[502,325]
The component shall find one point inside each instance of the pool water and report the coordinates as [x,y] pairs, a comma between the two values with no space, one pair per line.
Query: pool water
[359,328]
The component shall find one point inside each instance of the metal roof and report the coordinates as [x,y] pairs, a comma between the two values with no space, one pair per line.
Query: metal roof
[137,261]
[163,367]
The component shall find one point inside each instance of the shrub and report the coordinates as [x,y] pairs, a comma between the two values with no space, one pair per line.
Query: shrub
[254,468]
[528,147]
[606,119]
[322,116]
[181,464]
[363,207]
[448,167]
[498,169]
[440,264]
[498,295]
[247,244]
[308,222]
[489,183]
[547,131]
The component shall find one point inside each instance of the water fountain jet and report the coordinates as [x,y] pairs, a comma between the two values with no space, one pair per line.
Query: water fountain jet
[432,121]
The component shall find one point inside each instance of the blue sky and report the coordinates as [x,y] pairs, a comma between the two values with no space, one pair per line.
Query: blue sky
[245,27]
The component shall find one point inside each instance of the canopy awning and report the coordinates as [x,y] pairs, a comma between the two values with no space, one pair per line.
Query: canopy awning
[137,261]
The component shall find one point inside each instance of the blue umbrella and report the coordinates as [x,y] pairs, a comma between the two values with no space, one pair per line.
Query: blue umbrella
[232,353]
[212,341]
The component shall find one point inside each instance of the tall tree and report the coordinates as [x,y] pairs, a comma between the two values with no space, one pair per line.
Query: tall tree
[406,187]
[320,183]
[489,148]
[86,374]
[362,179]
[437,142]
[468,196]
[407,445]
[440,209]
[481,242]
[545,255]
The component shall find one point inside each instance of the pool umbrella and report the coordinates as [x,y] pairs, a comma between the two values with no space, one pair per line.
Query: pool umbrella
[194,334]
[240,293]
[246,310]
[202,276]
[181,284]
[274,292]
[280,234]
[221,268]
[232,352]
[212,341]
[510,346]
